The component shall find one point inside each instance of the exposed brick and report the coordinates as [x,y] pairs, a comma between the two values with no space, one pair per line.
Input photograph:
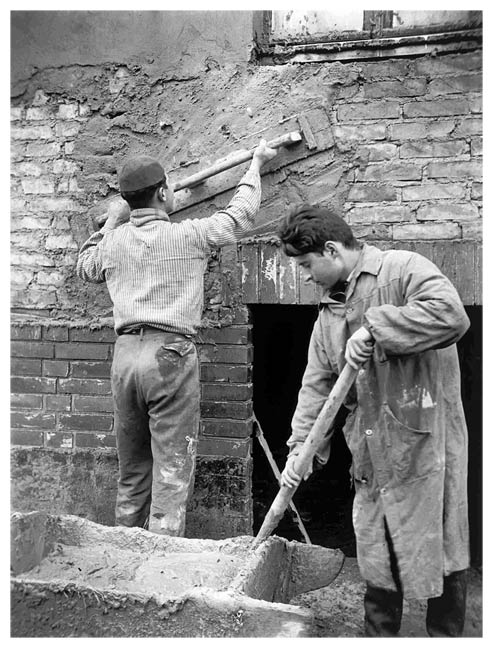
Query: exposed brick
[16,113]
[377,232]
[477,146]
[86,422]
[360,133]
[84,386]
[472,126]
[68,111]
[93,404]
[371,110]
[65,167]
[59,440]
[448,211]
[477,190]
[91,369]
[395,88]
[31,223]
[421,129]
[210,446]
[58,205]
[31,133]
[58,402]
[226,428]
[38,186]
[451,64]
[378,152]
[392,171]
[69,129]
[240,354]
[89,440]
[26,169]
[372,193]
[232,410]
[20,279]
[25,367]
[26,437]
[227,392]
[81,351]
[56,333]
[436,108]
[26,401]
[476,104]
[40,420]
[25,349]
[461,83]
[223,373]
[33,385]
[51,279]
[226,335]
[452,148]
[31,259]
[379,214]
[61,242]
[462,169]
[473,230]
[27,332]
[92,335]
[433,191]
[45,150]
[426,231]
[39,113]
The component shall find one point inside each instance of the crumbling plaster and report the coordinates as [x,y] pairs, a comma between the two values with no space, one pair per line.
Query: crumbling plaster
[179,85]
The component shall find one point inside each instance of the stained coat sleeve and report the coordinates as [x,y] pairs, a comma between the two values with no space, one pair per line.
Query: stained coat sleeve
[90,261]
[318,380]
[432,315]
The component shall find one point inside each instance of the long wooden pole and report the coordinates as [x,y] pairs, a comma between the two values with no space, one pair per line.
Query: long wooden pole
[234,160]
[304,460]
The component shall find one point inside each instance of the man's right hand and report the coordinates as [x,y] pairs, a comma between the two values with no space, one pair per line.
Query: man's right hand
[118,213]
[262,154]
[289,476]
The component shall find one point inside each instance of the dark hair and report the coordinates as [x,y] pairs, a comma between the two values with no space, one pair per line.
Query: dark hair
[307,228]
[142,198]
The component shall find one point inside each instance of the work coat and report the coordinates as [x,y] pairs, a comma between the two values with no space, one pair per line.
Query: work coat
[406,427]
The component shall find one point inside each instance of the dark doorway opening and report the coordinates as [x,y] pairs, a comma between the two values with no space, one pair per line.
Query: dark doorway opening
[281,334]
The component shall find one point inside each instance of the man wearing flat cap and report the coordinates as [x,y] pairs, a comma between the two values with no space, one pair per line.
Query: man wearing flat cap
[154,271]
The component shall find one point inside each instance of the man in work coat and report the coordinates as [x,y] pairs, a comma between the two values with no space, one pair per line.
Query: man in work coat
[154,272]
[395,316]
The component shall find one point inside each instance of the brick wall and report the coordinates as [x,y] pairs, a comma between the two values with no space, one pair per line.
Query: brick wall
[61,405]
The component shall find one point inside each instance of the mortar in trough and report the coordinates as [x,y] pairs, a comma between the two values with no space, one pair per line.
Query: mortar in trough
[75,578]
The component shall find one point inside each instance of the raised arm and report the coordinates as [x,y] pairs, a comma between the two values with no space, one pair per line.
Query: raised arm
[227,225]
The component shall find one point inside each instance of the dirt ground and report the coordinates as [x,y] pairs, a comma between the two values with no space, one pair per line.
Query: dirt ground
[339,606]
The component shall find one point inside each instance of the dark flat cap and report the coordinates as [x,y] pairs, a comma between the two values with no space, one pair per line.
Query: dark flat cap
[140,172]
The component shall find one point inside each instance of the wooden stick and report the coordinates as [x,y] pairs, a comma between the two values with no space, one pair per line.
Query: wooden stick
[277,474]
[308,449]
[234,160]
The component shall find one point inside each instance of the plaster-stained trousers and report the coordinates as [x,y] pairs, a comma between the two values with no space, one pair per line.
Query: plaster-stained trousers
[155,385]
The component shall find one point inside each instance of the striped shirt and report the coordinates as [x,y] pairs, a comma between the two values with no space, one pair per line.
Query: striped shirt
[154,269]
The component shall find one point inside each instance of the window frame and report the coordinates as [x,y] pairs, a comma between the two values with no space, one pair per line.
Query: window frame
[379,42]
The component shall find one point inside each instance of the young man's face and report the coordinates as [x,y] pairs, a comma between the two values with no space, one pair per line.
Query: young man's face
[324,269]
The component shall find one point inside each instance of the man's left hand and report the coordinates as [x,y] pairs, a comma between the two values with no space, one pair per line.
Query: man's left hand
[359,347]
